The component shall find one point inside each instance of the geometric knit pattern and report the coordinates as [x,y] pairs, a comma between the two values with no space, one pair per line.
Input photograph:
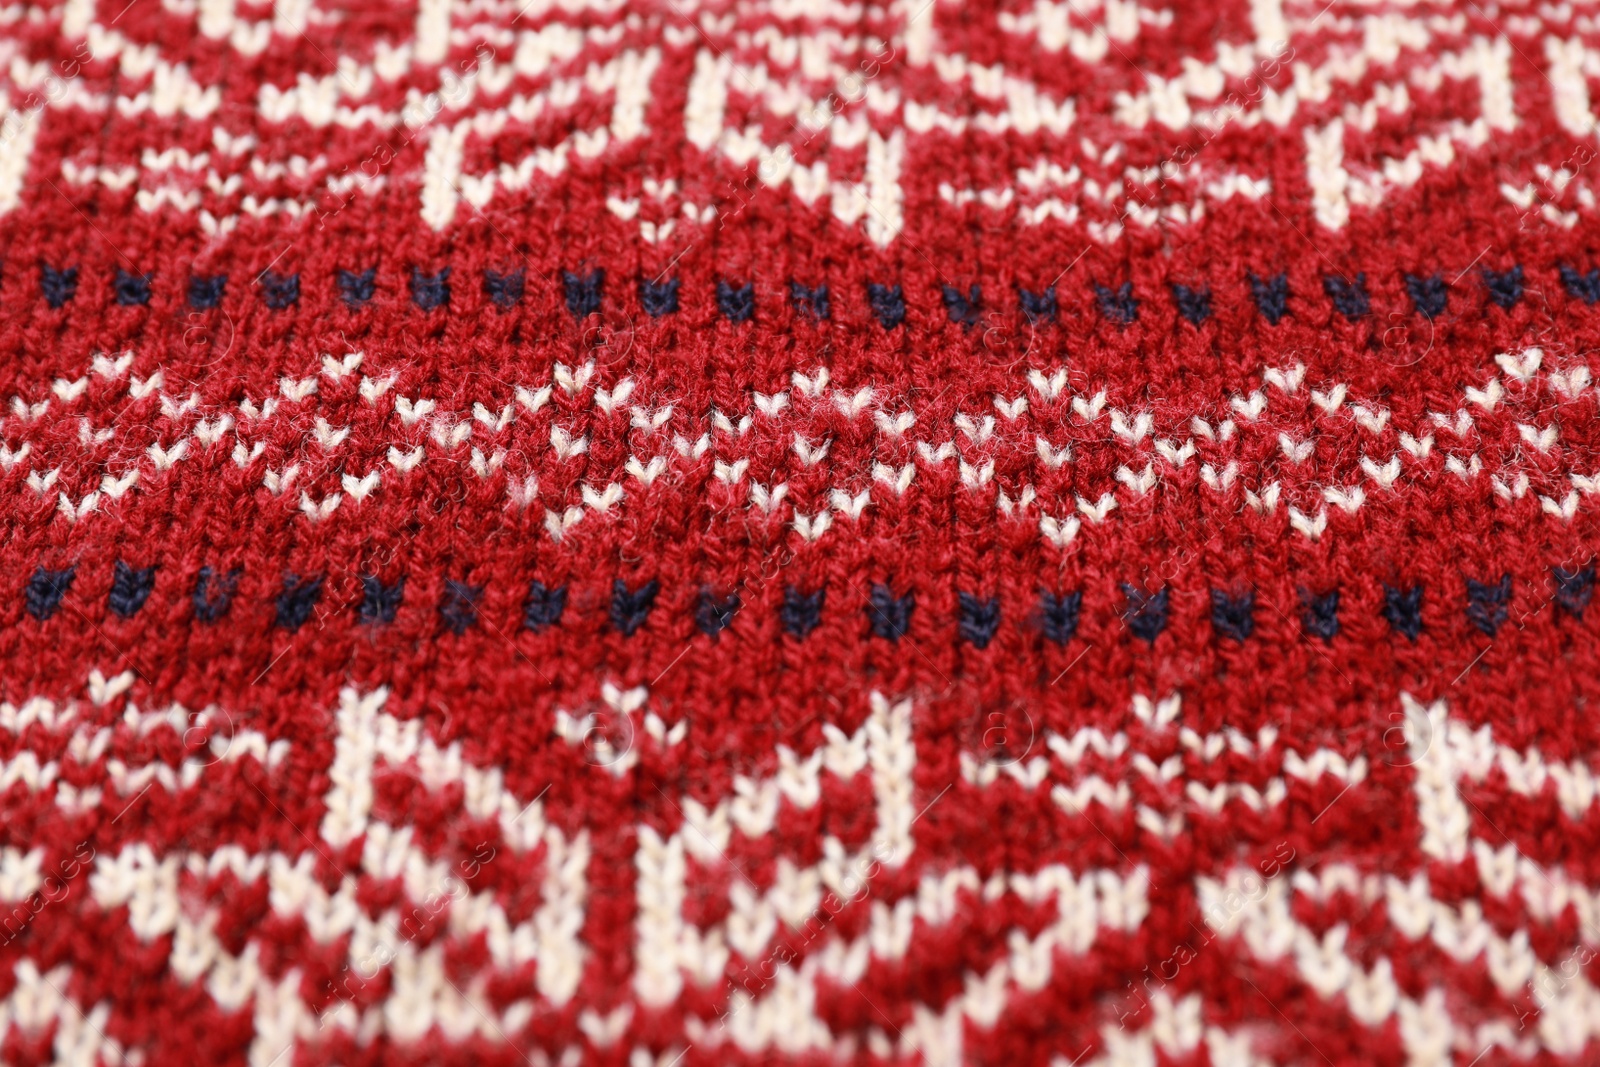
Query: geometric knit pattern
[1043,532]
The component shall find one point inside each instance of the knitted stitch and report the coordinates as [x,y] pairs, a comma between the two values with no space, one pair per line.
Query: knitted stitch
[1038,532]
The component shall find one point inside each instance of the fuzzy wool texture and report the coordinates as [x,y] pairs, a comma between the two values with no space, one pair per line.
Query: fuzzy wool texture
[1027,532]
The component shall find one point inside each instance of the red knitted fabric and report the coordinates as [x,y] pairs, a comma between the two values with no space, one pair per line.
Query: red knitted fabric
[1027,532]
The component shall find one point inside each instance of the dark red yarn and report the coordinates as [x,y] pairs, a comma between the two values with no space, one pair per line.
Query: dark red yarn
[199,587]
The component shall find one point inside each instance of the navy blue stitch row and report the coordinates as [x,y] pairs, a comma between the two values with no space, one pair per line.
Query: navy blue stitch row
[583,294]
[1145,612]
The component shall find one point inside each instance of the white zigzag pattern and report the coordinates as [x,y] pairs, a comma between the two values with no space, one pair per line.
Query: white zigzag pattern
[1023,423]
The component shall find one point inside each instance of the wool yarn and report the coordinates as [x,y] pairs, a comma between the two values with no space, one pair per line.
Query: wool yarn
[707,532]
